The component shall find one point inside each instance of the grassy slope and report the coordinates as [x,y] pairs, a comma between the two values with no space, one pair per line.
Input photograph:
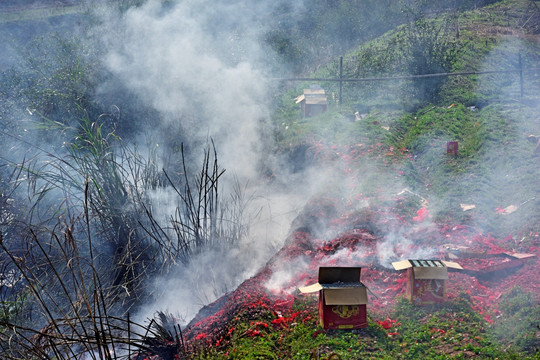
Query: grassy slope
[496,167]
[453,330]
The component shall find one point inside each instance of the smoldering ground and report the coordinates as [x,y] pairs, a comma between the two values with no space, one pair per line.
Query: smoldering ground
[205,70]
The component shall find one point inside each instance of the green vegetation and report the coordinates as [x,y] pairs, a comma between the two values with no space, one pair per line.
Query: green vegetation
[449,331]
[518,325]
[485,113]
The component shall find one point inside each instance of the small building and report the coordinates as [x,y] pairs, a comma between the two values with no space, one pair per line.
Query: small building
[342,298]
[313,101]
[426,279]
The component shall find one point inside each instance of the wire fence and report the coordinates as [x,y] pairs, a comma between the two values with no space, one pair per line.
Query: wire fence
[519,81]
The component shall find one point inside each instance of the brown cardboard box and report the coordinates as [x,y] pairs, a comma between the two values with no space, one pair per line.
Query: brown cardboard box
[426,282]
[342,298]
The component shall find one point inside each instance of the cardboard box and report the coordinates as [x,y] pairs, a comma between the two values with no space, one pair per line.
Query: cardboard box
[452,148]
[342,298]
[426,283]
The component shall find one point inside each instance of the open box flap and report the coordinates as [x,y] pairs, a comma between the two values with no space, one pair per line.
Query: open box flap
[310,288]
[402,265]
[452,265]
[330,275]
[346,296]
[438,273]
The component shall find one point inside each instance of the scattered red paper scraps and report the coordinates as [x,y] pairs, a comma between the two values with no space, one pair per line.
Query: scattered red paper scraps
[215,324]
[252,299]
[388,323]
[421,215]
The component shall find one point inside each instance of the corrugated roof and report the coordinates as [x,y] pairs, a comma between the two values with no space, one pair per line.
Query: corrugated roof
[316,101]
[315,95]
[314,91]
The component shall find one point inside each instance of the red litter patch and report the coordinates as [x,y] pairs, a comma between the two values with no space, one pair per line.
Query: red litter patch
[357,246]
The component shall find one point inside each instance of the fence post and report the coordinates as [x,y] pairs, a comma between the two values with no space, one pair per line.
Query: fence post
[340,78]
[520,74]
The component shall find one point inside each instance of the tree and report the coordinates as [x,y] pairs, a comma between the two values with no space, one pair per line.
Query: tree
[429,46]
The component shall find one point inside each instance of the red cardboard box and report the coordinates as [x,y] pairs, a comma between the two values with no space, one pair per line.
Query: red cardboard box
[342,298]
[452,148]
[426,283]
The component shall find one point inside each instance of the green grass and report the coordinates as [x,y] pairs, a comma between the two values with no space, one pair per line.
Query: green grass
[519,325]
[452,330]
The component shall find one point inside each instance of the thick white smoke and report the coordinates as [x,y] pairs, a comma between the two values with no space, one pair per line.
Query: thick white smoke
[199,65]
[182,64]
[202,67]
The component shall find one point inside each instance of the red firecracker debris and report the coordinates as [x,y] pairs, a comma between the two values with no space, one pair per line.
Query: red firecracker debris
[421,215]
[357,245]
